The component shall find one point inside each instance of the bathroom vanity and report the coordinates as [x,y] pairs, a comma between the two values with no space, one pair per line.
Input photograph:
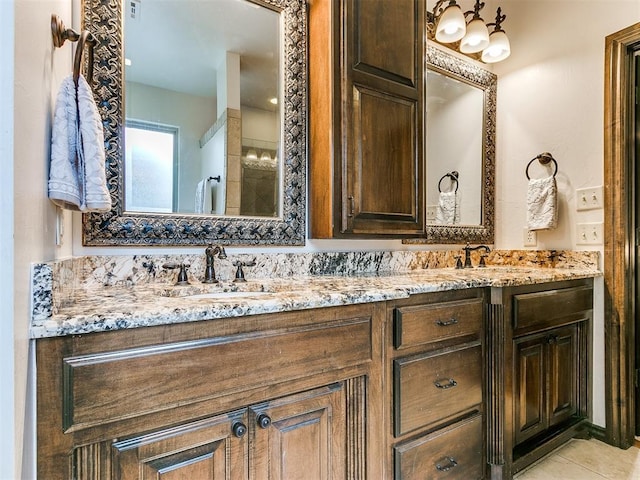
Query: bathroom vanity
[469,373]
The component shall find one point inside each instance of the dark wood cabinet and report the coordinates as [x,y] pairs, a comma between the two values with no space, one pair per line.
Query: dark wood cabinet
[539,345]
[546,381]
[367,147]
[436,359]
[288,396]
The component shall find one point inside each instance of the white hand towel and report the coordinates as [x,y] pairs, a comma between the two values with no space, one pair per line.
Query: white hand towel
[77,178]
[448,210]
[201,189]
[542,204]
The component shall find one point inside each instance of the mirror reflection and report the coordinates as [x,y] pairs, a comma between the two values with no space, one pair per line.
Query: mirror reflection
[202,108]
[455,125]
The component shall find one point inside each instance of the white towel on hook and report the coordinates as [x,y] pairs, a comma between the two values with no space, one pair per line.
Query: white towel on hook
[542,203]
[201,195]
[77,178]
[448,209]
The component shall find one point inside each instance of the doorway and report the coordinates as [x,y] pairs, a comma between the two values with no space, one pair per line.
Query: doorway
[635,162]
[620,236]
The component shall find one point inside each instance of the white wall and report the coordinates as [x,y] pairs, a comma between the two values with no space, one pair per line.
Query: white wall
[550,98]
[38,72]
[7,393]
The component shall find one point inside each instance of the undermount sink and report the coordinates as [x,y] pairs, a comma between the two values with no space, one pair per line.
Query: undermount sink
[214,295]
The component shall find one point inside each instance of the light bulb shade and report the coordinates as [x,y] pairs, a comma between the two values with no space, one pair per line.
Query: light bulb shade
[477,37]
[252,154]
[451,25]
[498,49]
[265,157]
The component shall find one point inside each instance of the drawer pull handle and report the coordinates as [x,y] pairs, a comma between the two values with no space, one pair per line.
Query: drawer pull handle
[263,420]
[446,323]
[239,429]
[451,463]
[450,384]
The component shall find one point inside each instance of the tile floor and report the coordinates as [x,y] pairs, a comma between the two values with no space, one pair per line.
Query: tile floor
[586,460]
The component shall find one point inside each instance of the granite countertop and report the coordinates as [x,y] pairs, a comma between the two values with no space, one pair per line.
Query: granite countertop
[122,307]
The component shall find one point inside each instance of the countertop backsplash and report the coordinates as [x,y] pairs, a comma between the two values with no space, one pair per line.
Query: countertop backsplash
[54,283]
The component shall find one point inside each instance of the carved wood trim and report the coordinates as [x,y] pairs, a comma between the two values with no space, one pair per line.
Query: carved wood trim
[495,368]
[93,462]
[356,428]
[618,251]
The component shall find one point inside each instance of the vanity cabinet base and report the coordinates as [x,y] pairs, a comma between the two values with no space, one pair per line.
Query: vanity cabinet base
[196,401]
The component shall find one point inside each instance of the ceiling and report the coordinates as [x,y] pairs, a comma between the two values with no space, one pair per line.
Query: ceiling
[179,45]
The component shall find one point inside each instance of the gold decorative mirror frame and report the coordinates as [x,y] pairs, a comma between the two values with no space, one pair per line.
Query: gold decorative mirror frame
[103,18]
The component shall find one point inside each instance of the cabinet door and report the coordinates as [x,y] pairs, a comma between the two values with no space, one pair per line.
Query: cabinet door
[209,449]
[382,113]
[529,387]
[301,437]
[563,388]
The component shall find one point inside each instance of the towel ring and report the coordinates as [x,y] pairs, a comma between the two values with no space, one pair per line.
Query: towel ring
[85,37]
[454,178]
[60,34]
[544,158]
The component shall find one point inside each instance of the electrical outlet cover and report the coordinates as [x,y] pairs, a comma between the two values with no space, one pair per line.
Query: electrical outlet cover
[530,238]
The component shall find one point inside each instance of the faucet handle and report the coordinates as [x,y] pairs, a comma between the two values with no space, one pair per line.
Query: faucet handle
[239,271]
[482,263]
[182,274]
[458,262]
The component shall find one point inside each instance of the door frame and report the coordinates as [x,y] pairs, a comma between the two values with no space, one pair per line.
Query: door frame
[619,244]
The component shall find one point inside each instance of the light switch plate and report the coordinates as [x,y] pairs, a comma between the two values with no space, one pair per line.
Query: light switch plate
[589,198]
[589,233]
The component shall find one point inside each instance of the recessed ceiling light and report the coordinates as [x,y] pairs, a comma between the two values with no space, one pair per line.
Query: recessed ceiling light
[273,100]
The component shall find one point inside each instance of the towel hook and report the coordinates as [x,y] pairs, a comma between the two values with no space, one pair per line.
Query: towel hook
[454,178]
[544,158]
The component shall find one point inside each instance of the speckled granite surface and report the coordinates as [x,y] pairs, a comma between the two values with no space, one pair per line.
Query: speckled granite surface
[103,293]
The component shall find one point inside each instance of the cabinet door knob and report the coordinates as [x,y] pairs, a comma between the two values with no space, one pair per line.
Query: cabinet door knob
[551,339]
[450,384]
[446,323]
[351,206]
[263,420]
[239,429]
[451,463]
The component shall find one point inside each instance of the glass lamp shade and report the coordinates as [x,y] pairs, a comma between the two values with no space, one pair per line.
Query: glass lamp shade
[477,37]
[451,26]
[265,157]
[252,155]
[498,49]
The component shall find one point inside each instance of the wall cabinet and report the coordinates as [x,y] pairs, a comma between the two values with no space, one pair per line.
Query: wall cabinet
[366,103]
[279,398]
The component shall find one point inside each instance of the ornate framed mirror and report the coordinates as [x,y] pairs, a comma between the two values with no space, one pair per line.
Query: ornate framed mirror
[223,180]
[460,153]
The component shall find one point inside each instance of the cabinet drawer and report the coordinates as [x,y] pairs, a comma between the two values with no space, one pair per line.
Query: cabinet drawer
[105,387]
[454,452]
[436,386]
[420,324]
[542,309]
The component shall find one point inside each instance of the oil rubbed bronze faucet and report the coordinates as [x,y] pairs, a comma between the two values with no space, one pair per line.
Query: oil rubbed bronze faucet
[209,271]
[467,255]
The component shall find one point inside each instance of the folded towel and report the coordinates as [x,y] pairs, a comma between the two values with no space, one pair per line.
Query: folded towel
[542,204]
[201,190]
[448,210]
[77,178]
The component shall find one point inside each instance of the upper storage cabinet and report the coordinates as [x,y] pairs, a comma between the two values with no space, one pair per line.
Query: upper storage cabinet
[366,102]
